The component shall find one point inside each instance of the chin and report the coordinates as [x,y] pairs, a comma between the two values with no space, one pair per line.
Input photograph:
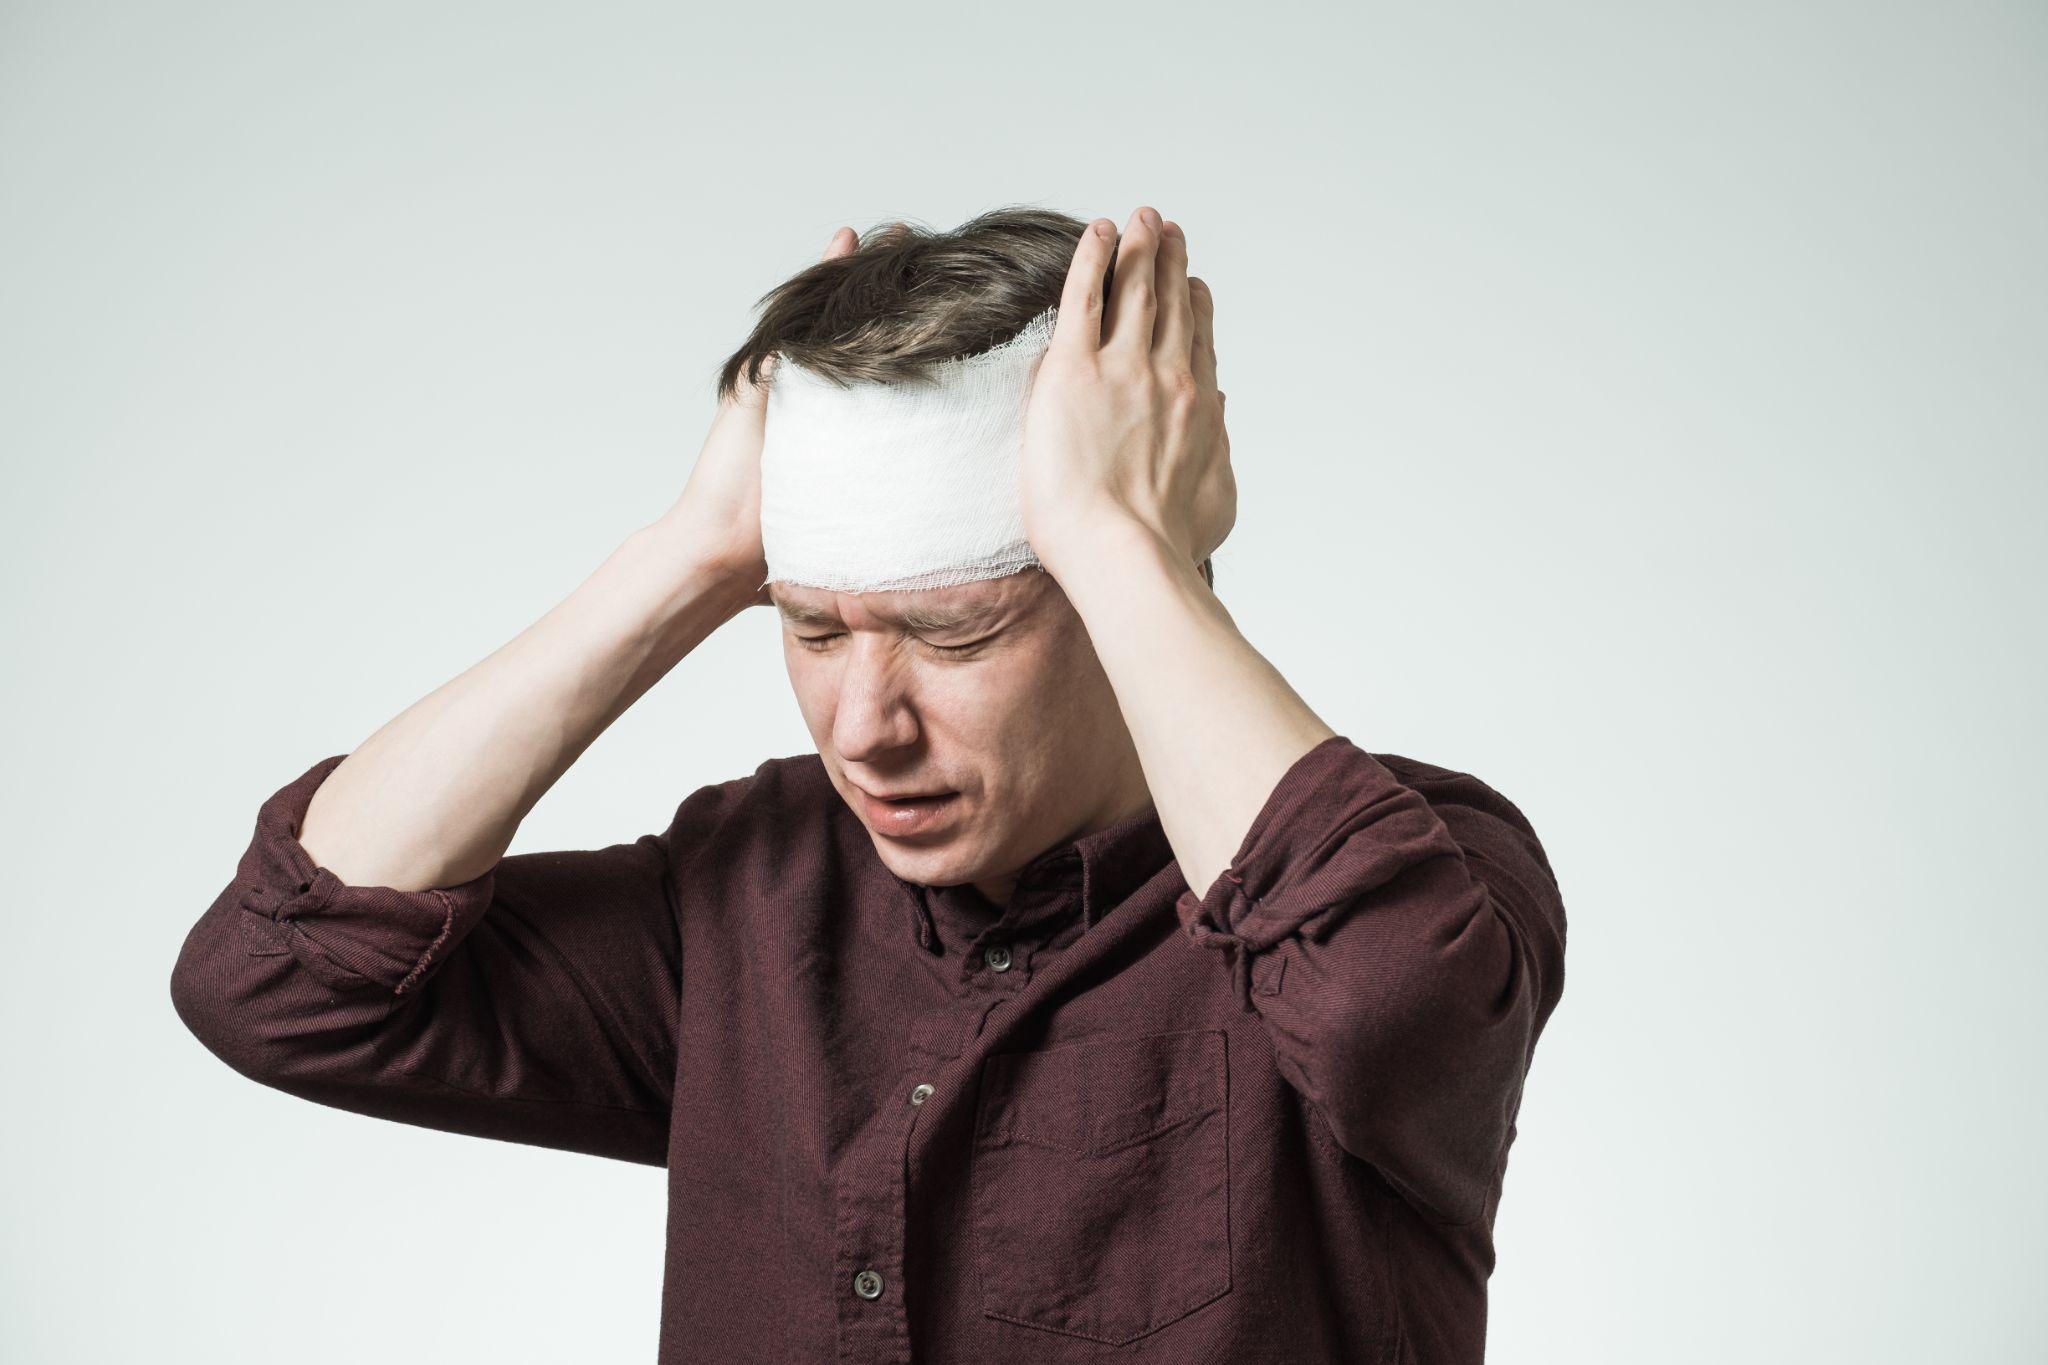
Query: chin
[938,866]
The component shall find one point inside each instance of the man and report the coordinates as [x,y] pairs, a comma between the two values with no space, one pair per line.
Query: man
[1084,997]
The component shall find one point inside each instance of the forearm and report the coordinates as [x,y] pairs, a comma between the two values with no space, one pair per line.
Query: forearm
[434,797]
[1214,723]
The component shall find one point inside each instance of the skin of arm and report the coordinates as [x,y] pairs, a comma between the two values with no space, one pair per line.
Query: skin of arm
[435,796]
[1126,488]
[1216,730]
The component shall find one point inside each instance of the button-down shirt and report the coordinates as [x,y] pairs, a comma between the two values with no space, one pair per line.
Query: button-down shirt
[1111,1119]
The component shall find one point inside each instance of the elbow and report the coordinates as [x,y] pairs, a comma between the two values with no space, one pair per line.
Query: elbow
[211,996]
[199,993]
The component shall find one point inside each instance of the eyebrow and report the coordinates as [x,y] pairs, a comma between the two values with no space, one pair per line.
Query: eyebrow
[799,613]
[930,619]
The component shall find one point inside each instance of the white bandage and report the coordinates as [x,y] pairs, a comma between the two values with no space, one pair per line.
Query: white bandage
[881,487]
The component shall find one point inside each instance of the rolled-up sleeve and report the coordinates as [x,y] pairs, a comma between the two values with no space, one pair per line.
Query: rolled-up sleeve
[536,1003]
[1403,943]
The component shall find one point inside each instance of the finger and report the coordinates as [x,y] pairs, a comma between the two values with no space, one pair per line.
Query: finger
[1078,330]
[1202,347]
[1133,294]
[1174,330]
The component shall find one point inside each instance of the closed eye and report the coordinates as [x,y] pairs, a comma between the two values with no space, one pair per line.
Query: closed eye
[816,644]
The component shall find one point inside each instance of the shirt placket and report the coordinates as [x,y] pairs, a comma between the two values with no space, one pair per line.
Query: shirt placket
[874,1196]
[999,959]
[873,1191]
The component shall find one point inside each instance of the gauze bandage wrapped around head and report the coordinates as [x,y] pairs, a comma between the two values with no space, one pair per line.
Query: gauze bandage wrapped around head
[881,487]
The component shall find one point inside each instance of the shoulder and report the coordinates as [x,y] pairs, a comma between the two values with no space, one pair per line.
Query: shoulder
[785,813]
[789,787]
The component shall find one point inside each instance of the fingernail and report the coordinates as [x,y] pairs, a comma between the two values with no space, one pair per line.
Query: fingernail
[1173,231]
[1104,228]
[1151,217]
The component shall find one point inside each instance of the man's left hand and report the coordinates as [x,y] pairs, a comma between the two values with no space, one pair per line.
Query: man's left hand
[1124,427]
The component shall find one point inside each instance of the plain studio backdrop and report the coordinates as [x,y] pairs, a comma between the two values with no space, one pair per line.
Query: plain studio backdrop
[1640,406]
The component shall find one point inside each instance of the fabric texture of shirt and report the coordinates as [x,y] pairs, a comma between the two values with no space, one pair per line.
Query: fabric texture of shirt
[1113,1120]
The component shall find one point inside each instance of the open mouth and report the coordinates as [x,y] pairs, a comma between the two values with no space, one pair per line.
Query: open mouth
[907,815]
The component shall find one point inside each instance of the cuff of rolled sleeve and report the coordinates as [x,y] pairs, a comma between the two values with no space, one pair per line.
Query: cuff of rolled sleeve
[1337,825]
[350,937]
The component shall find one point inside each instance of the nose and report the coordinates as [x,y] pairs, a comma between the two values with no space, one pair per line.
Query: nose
[874,714]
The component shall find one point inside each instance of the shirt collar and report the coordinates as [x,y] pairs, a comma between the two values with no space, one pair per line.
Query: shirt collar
[1103,866]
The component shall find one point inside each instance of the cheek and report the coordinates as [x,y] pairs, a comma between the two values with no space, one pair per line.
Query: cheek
[968,704]
[813,687]
[1026,698]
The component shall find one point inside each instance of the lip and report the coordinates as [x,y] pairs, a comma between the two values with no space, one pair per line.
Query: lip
[903,818]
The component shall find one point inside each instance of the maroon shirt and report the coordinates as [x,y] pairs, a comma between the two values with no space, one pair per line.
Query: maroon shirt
[1110,1121]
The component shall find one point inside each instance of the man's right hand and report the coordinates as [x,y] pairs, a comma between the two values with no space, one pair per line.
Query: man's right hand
[720,507]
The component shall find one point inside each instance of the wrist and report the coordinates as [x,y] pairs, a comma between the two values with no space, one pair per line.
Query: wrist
[690,585]
[1102,542]
[702,557]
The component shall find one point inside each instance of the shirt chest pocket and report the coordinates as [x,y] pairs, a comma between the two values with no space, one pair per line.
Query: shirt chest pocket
[1101,1187]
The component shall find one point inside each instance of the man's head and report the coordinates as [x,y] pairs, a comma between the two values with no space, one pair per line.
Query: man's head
[1017,718]
[907,299]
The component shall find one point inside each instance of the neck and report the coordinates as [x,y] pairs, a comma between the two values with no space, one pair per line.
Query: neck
[999,889]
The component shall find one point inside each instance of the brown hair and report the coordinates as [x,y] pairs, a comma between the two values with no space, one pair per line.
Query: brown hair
[907,298]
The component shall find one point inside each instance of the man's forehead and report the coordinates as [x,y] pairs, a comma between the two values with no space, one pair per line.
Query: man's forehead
[930,609]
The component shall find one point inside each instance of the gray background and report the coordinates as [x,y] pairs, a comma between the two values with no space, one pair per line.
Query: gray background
[1637,405]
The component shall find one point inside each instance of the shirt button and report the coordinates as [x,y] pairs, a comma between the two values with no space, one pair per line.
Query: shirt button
[998,958]
[920,1093]
[868,1284]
